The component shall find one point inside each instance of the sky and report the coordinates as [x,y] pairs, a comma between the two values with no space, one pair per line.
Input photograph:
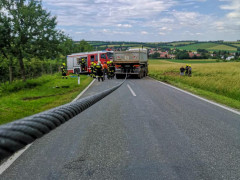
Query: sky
[147,20]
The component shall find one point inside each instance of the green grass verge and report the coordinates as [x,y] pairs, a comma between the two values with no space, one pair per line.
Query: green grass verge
[45,93]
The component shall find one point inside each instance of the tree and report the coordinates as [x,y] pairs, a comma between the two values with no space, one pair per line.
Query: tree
[33,32]
[155,55]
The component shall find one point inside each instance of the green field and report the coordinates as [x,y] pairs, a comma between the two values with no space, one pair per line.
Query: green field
[38,95]
[222,47]
[208,46]
[190,61]
[216,81]
[238,45]
[180,43]
[197,46]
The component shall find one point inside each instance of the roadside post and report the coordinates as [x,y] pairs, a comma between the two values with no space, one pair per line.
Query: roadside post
[79,81]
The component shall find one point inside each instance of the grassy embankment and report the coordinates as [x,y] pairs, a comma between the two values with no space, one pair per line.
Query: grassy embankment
[217,81]
[21,99]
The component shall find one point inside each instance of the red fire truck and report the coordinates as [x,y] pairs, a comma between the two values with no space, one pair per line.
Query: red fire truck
[74,60]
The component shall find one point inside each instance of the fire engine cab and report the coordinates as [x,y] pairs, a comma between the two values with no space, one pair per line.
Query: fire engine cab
[75,61]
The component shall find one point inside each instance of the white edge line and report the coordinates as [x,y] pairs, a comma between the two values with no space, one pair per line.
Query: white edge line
[11,159]
[84,91]
[203,99]
[133,93]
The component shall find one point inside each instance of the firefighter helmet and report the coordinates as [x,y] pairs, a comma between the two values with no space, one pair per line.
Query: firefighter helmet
[63,64]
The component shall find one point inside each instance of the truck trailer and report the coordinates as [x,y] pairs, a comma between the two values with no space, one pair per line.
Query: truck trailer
[132,62]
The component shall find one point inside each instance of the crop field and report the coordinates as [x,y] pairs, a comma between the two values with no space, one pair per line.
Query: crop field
[179,43]
[37,95]
[191,61]
[222,47]
[208,46]
[198,46]
[216,81]
[236,45]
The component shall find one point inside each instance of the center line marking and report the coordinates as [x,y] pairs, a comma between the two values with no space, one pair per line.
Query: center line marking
[133,93]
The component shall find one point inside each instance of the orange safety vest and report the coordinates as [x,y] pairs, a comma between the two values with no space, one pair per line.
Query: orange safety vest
[105,66]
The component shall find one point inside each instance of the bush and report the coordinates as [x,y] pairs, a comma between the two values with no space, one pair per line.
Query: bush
[33,68]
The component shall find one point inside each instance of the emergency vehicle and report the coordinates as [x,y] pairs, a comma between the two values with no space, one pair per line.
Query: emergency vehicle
[74,60]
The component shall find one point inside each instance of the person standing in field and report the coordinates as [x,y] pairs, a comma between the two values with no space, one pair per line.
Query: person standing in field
[189,71]
[182,69]
[186,70]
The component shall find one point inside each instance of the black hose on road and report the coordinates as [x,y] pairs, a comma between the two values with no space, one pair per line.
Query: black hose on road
[18,134]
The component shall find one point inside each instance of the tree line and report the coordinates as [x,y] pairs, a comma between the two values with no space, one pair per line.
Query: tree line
[29,39]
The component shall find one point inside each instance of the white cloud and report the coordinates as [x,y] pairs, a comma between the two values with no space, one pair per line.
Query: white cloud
[124,25]
[233,5]
[127,18]
[144,32]
[162,33]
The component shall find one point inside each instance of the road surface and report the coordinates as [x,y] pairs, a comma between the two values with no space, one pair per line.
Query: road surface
[143,130]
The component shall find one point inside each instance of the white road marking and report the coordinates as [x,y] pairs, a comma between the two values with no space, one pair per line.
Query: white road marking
[131,83]
[11,159]
[133,93]
[203,99]
[84,91]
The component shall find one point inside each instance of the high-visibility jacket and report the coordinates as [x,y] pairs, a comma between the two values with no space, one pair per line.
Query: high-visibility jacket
[105,66]
[99,70]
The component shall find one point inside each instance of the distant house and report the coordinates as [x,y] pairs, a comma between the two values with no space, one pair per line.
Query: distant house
[230,58]
[192,54]
[164,55]
[172,56]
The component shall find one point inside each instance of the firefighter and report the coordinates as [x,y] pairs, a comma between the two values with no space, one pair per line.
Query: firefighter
[108,64]
[92,69]
[105,70]
[111,70]
[64,71]
[83,64]
[99,72]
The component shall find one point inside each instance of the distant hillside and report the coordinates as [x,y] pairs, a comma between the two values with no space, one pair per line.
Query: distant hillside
[232,46]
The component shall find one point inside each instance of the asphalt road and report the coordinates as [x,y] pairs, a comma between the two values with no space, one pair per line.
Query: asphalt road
[161,133]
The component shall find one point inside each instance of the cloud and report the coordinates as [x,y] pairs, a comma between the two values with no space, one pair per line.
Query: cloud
[128,19]
[234,6]
[162,33]
[124,25]
[144,32]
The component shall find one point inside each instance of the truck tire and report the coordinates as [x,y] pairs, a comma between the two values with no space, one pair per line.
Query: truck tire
[118,76]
